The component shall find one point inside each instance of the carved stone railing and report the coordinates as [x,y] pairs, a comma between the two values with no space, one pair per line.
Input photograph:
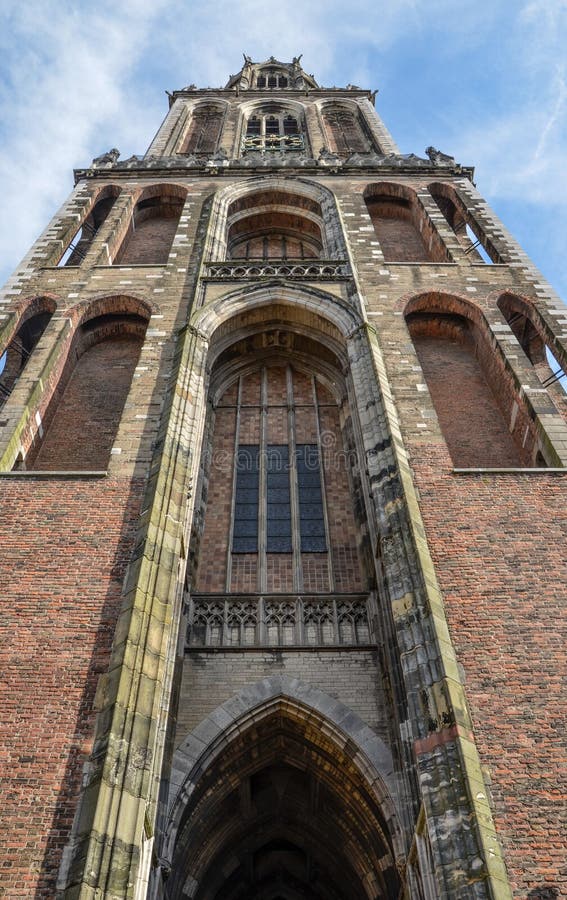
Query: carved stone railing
[307,269]
[273,143]
[277,620]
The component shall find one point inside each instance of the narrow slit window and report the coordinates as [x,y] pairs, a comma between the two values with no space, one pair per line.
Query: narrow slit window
[245,533]
[311,518]
[278,511]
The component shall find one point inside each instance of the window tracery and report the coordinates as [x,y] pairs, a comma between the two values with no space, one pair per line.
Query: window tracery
[273,130]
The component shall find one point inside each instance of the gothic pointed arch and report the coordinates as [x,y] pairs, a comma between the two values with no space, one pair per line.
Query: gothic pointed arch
[273,126]
[294,815]
[96,368]
[483,418]
[20,339]
[306,216]
[152,226]
[402,226]
[345,130]
[203,129]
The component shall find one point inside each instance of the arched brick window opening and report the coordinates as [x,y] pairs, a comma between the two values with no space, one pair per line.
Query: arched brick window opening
[279,515]
[204,131]
[274,225]
[83,238]
[546,356]
[313,827]
[273,127]
[467,389]
[81,421]
[15,357]
[151,230]
[402,226]
[477,245]
[345,130]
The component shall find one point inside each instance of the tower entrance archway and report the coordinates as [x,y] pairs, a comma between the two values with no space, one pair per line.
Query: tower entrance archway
[283,804]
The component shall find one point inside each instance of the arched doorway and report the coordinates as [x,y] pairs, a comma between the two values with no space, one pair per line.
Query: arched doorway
[288,800]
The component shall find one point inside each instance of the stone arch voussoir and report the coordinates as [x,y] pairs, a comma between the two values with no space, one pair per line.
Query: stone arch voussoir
[256,701]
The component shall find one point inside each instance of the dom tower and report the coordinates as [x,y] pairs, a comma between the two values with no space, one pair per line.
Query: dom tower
[283,492]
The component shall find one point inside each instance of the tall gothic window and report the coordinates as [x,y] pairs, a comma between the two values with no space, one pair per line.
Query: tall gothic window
[273,131]
[279,514]
[344,131]
[204,131]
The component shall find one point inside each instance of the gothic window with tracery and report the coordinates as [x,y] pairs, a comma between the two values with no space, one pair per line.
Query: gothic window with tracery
[273,131]
[204,131]
[345,132]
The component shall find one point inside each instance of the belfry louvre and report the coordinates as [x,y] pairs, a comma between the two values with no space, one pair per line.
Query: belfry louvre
[282,484]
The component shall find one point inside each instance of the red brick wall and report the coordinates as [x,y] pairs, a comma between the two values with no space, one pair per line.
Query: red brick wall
[468,413]
[149,244]
[86,418]
[498,547]
[64,547]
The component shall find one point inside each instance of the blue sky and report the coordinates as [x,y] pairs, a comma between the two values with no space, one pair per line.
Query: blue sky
[483,81]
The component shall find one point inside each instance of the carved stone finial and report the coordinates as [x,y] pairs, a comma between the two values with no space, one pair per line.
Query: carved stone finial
[106,160]
[247,60]
[296,60]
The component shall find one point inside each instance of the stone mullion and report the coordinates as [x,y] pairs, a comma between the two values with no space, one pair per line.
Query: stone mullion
[294,486]
[228,580]
[262,537]
[439,723]
[119,804]
[330,567]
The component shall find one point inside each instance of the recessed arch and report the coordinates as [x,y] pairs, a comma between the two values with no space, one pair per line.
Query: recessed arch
[152,226]
[203,127]
[314,204]
[402,226]
[21,338]
[91,390]
[463,223]
[309,749]
[345,128]
[483,419]
[102,201]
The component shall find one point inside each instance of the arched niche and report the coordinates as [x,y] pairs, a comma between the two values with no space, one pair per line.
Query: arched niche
[481,417]
[274,224]
[403,228]
[83,238]
[345,129]
[274,126]
[468,231]
[203,130]
[304,207]
[81,420]
[286,792]
[152,226]
[15,356]
[281,508]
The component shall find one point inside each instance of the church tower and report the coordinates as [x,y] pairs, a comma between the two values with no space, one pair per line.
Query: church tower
[282,474]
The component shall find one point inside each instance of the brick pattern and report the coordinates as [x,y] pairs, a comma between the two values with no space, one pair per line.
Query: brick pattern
[503,581]
[84,425]
[468,413]
[65,547]
[149,244]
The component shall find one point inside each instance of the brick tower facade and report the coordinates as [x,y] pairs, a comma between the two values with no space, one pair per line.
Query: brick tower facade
[283,522]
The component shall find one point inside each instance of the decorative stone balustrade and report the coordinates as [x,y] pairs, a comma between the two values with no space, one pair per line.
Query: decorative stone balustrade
[233,270]
[276,620]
